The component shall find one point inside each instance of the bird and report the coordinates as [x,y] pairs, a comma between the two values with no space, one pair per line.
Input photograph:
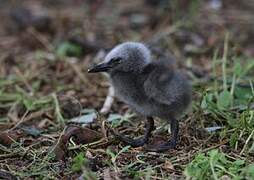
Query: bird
[152,87]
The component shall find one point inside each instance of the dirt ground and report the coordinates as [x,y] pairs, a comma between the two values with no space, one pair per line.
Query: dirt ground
[47,98]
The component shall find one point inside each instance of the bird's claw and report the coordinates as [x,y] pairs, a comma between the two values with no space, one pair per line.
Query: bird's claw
[132,142]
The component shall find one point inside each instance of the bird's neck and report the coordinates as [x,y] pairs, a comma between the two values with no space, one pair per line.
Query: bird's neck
[121,72]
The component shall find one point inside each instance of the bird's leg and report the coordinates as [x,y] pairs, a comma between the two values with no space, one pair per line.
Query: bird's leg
[139,141]
[171,144]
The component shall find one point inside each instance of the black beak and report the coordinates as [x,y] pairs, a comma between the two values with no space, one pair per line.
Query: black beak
[103,67]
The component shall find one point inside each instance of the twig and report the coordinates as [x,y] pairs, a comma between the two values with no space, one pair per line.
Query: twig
[21,121]
[7,175]
[18,72]
[224,61]
[240,136]
[58,114]
[41,39]
[36,114]
[246,143]
[108,101]
[56,144]
[213,147]
[79,73]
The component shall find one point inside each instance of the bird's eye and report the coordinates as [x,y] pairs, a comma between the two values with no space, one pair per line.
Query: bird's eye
[116,60]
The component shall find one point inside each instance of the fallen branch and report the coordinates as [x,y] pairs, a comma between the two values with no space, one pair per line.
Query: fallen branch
[108,101]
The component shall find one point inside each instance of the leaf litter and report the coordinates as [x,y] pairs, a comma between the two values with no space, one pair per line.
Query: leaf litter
[45,93]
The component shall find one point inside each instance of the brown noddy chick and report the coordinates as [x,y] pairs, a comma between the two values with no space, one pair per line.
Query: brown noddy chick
[152,88]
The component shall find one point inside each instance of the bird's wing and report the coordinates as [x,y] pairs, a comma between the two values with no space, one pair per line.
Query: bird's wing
[161,84]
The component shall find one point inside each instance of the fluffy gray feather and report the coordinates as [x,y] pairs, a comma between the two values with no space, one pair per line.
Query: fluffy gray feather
[151,87]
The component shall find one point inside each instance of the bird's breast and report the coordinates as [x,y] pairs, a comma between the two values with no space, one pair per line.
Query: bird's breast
[130,90]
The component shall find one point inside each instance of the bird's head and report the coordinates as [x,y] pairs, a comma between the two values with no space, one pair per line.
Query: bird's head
[125,57]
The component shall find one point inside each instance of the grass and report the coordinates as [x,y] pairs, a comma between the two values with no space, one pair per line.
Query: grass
[226,103]
[45,91]
[215,165]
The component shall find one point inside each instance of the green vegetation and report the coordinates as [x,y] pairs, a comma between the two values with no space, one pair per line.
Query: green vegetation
[216,165]
[44,88]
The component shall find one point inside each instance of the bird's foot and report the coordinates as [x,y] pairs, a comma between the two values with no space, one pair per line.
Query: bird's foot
[161,147]
[132,142]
